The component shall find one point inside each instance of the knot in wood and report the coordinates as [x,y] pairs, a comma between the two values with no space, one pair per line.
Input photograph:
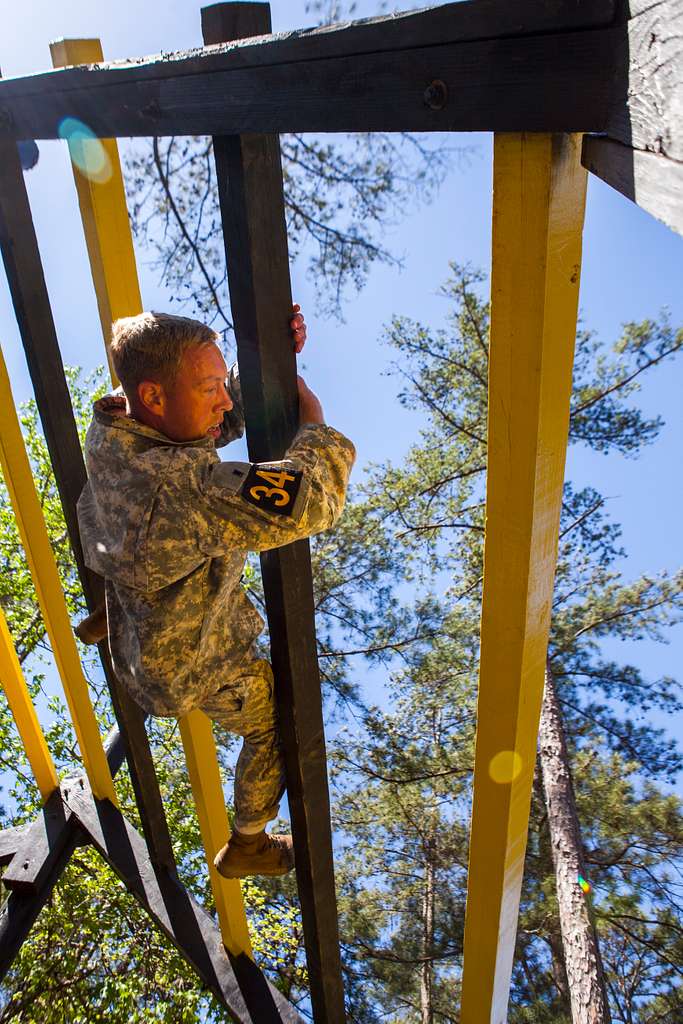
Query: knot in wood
[436,95]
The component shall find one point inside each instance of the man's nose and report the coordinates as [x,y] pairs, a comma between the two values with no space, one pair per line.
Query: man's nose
[226,403]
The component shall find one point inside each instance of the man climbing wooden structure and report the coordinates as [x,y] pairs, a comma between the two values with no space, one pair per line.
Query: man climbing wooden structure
[540,75]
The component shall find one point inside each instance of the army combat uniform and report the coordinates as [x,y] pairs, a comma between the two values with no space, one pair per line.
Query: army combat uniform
[169,525]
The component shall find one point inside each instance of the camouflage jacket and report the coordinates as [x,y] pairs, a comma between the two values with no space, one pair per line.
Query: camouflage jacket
[168,525]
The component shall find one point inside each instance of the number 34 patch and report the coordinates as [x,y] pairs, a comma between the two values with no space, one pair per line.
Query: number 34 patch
[273,489]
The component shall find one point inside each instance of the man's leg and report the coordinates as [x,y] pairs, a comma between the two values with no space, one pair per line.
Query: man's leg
[246,706]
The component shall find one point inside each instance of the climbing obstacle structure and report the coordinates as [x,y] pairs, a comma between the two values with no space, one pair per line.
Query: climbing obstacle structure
[568,86]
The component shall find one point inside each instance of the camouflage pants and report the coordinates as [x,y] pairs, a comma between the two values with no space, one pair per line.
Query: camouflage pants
[246,706]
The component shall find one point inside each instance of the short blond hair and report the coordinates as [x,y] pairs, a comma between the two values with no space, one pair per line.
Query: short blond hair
[150,346]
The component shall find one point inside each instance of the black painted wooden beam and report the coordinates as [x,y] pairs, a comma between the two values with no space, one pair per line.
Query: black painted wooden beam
[22,907]
[650,180]
[236,981]
[252,208]
[42,843]
[10,840]
[530,65]
[31,301]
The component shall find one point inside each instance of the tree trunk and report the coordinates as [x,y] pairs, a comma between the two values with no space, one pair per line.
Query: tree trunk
[581,953]
[559,972]
[427,966]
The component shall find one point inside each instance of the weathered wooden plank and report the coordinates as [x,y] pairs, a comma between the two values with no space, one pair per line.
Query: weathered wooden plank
[252,208]
[41,843]
[432,26]
[651,180]
[178,915]
[34,316]
[648,96]
[531,65]
[10,839]
[538,207]
[21,909]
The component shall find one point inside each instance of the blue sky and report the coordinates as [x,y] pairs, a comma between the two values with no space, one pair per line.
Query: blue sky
[632,268]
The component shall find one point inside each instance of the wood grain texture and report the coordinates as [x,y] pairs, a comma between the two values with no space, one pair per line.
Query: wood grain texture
[651,180]
[21,909]
[41,844]
[10,838]
[251,196]
[239,985]
[647,109]
[535,65]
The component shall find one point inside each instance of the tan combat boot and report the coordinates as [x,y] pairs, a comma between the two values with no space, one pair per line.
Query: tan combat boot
[258,854]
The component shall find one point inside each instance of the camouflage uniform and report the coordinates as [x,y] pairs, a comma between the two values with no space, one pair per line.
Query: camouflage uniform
[168,525]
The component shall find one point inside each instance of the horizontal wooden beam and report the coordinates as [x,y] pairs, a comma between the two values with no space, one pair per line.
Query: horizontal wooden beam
[475,66]
[651,180]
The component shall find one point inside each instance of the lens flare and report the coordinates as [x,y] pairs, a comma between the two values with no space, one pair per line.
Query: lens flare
[505,766]
[86,150]
[586,886]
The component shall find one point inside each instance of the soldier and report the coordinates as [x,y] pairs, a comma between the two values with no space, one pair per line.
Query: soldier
[168,525]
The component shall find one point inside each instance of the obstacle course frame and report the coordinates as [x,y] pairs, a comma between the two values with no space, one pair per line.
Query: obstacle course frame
[568,87]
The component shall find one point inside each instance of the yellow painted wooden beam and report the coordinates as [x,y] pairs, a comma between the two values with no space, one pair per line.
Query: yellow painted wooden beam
[202,764]
[24,713]
[34,537]
[539,192]
[102,200]
[111,253]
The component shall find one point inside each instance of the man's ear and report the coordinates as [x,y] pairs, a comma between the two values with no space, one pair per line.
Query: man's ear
[152,397]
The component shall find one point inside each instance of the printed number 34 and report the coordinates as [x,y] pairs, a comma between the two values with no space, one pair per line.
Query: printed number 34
[277,482]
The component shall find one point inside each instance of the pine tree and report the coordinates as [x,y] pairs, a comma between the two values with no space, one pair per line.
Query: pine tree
[431,507]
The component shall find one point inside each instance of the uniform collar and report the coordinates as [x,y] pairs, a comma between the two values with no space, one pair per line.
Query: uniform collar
[110,411]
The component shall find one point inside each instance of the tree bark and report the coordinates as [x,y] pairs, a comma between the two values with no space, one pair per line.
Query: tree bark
[582,959]
[427,966]
[559,972]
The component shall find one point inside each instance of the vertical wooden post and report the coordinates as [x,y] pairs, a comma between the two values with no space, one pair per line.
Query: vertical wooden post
[538,207]
[250,186]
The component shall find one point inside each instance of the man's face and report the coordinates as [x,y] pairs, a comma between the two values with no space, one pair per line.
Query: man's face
[193,406]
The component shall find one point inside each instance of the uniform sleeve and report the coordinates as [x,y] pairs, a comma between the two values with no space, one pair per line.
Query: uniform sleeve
[257,506]
[232,426]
